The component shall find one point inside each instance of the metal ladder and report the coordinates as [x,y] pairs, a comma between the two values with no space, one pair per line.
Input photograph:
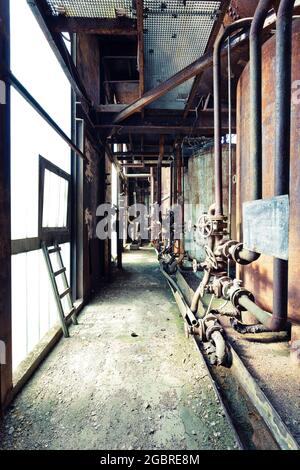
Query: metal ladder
[53,275]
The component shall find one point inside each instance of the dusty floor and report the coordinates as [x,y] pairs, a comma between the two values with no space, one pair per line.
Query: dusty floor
[126,379]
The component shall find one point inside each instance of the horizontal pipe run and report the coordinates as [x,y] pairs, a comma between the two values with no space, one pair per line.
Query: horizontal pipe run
[243,256]
[249,256]
[141,176]
[273,322]
[14,82]
[263,316]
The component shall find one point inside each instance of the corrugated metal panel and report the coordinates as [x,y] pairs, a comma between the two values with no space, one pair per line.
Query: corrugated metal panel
[90,8]
[176,34]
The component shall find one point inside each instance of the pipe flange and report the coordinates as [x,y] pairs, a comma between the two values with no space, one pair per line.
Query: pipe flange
[226,248]
[235,253]
[198,330]
[237,294]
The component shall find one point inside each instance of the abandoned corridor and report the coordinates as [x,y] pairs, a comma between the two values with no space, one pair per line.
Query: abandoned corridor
[127,378]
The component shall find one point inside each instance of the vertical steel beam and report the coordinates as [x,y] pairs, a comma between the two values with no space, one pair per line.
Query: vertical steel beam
[5,217]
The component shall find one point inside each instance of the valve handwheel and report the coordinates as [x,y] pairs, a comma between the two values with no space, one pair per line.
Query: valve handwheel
[205,226]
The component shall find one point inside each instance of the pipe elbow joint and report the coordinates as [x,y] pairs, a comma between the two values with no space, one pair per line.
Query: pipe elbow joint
[276,324]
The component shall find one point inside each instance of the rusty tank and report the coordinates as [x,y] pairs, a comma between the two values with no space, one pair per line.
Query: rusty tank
[258,277]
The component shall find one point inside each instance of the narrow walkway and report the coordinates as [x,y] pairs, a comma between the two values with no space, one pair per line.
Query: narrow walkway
[126,379]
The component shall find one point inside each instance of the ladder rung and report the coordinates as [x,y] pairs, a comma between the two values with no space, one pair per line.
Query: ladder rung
[63,294]
[56,249]
[61,271]
[70,313]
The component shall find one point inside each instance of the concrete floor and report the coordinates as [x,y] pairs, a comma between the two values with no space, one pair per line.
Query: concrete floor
[126,379]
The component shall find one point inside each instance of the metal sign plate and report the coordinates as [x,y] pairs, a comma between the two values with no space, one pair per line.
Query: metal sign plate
[266,226]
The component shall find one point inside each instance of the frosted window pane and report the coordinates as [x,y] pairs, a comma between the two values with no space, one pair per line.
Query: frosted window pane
[55,208]
[30,137]
[35,65]
[34,310]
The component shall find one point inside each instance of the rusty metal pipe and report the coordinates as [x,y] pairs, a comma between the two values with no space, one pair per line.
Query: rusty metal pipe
[220,345]
[240,24]
[256,30]
[282,152]
[264,317]
[243,256]
[198,292]
[185,310]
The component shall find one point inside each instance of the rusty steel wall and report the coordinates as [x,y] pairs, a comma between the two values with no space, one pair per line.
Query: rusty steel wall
[199,194]
[259,276]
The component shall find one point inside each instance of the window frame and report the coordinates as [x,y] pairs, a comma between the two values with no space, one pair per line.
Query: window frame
[51,235]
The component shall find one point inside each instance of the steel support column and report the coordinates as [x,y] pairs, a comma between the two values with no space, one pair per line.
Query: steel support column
[5,218]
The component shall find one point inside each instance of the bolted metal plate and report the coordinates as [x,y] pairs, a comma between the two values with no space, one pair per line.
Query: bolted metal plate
[266,226]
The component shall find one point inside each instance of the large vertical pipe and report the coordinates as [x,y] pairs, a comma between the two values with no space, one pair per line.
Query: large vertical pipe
[256,97]
[152,187]
[159,180]
[240,24]
[5,217]
[179,191]
[175,185]
[282,152]
[171,184]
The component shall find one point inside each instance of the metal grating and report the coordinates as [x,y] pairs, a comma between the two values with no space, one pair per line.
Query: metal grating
[90,8]
[176,34]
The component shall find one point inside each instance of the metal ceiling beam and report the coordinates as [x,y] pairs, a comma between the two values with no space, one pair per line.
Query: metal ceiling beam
[102,26]
[125,155]
[201,64]
[205,125]
[192,70]
[206,131]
